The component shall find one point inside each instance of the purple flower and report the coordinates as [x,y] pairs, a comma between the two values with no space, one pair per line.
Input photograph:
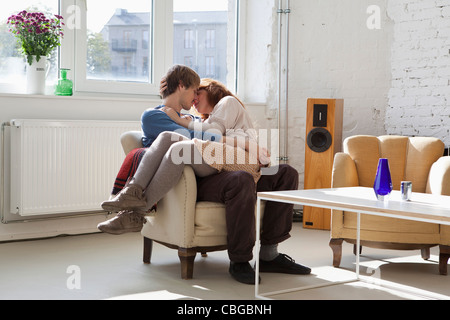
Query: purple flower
[36,34]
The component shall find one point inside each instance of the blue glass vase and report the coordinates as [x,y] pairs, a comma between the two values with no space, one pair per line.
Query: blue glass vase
[383,180]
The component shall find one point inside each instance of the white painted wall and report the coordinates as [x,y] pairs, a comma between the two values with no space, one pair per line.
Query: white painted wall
[334,55]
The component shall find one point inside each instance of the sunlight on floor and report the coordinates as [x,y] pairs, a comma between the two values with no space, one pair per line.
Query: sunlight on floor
[371,280]
[155,295]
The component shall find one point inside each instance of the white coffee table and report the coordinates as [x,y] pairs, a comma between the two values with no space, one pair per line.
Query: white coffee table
[422,207]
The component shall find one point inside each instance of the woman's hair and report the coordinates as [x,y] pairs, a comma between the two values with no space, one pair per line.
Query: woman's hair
[216,91]
[177,75]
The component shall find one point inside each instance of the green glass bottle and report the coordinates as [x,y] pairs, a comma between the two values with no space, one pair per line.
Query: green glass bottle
[64,86]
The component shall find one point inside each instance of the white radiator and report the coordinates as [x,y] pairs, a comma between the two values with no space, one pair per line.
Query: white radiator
[60,167]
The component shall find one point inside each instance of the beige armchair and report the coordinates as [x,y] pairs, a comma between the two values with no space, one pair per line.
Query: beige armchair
[417,159]
[181,222]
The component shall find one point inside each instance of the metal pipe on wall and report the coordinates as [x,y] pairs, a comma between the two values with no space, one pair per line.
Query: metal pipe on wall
[283,156]
[280,24]
[286,135]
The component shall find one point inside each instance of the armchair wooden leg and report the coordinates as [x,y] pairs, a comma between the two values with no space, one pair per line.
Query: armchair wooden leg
[444,255]
[426,253]
[187,257]
[336,247]
[354,249]
[148,248]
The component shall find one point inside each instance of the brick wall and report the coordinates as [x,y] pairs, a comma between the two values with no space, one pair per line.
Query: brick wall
[419,97]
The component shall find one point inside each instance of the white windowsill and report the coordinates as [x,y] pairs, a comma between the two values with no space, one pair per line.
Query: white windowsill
[90,96]
[86,96]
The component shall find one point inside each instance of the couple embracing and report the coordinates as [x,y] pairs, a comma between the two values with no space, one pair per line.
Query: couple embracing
[221,147]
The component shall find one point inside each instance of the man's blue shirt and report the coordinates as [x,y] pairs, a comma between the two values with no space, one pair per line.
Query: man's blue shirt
[155,121]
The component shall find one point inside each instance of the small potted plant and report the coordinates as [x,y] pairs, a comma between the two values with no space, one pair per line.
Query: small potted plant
[38,35]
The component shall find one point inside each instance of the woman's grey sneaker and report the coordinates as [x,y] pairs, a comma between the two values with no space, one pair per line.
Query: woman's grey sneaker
[128,199]
[126,221]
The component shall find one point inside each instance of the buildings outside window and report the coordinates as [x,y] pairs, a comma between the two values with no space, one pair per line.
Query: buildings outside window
[210,39]
[210,67]
[189,39]
[210,48]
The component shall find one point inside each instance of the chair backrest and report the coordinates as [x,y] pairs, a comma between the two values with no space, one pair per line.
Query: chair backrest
[410,158]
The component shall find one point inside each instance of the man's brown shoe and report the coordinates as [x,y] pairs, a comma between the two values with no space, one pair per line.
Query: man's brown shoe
[128,199]
[124,222]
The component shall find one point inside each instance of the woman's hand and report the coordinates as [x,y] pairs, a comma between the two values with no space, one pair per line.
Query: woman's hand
[171,113]
[261,154]
[180,120]
[263,157]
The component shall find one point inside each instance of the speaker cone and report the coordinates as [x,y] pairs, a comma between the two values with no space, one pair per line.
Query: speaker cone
[319,140]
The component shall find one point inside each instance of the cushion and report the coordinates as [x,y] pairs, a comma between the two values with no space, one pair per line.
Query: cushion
[210,219]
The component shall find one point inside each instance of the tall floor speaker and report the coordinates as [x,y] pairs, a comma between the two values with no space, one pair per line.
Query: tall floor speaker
[323,140]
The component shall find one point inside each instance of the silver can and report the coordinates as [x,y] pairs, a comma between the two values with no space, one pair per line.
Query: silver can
[406,190]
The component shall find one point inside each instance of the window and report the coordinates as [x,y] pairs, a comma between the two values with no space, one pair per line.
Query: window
[12,62]
[145,39]
[210,39]
[126,46]
[118,36]
[189,61]
[210,67]
[209,30]
[189,39]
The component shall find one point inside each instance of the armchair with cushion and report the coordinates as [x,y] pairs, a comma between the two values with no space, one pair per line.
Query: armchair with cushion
[416,159]
[181,222]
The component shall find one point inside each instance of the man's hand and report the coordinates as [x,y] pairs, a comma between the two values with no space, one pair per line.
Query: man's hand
[162,86]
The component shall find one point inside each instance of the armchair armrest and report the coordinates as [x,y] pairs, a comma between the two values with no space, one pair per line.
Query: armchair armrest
[439,177]
[344,175]
[131,140]
[344,172]
[174,221]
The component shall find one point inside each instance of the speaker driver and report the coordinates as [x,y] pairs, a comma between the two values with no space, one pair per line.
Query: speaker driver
[319,140]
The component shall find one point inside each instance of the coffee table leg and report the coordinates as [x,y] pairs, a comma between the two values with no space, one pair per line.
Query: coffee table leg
[358,244]
[257,245]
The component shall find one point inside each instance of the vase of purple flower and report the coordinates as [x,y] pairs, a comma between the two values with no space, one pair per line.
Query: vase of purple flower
[38,35]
